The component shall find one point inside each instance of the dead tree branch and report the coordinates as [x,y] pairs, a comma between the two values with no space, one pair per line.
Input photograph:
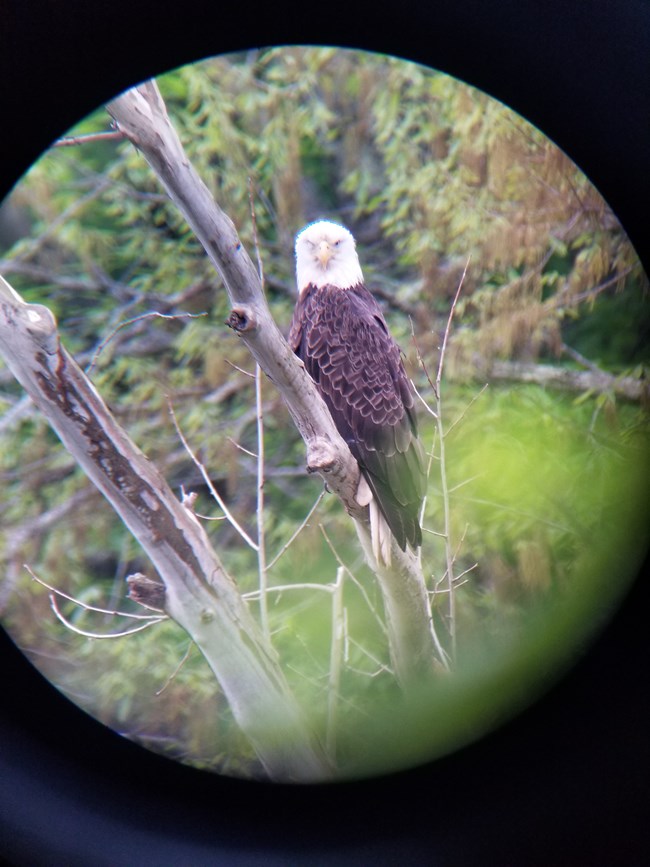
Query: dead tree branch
[142,116]
[199,594]
[567,379]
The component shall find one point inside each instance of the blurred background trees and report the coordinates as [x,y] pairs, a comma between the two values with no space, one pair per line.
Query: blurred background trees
[429,174]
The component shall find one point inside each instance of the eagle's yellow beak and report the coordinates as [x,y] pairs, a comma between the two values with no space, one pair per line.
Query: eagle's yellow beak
[324,253]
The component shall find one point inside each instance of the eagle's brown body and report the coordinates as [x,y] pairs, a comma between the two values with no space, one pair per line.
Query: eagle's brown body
[341,336]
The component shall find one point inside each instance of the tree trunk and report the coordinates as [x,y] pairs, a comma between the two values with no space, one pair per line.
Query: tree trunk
[199,595]
[142,116]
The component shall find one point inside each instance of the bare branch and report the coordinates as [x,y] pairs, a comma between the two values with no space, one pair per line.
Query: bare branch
[141,115]
[547,375]
[151,315]
[113,613]
[381,667]
[76,140]
[199,594]
[86,634]
[445,338]
[241,448]
[463,573]
[208,481]
[175,672]
[457,420]
[297,532]
[336,654]
[584,362]
[240,369]
[564,297]
[284,588]
[423,365]
[423,401]
[434,533]
[449,555]
[261,529]
[355,581]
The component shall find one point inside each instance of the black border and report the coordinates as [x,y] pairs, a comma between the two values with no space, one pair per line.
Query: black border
[566,783]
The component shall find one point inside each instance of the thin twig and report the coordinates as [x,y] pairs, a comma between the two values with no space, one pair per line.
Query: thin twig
[560,298]
[175,672]
[206,478]
[449,556]
[154,313]
[210,517]
[259,417]
[355,581]
[442,592]
[75,140]
[445,338]
[464,572]
[261,544]
[295,534]
[465,482]
[241,448]
[422,363]
[383,667]
[86,607]
[240,369]
[454,557]
[424,402]
[463,413]
[251,200]
[86,634]
[433,533]
[281,588]
[336,648]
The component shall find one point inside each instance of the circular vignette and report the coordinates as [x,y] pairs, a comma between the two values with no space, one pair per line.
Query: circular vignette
[616,636]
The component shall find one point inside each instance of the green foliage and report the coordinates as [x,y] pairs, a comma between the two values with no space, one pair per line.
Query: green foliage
[429,174]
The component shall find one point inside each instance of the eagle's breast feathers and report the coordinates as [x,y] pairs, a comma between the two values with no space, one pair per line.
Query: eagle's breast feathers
[340,334]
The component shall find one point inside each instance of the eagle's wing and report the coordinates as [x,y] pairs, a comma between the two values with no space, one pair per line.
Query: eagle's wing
[343,340]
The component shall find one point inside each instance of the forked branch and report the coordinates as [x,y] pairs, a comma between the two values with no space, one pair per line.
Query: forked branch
[142,116]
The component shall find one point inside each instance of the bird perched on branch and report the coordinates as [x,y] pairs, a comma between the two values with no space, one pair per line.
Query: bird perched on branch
[339,332]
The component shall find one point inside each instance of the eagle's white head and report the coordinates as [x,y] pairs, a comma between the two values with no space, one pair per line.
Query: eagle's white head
[326,256]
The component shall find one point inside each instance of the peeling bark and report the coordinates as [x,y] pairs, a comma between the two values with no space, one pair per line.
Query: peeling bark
[199,594]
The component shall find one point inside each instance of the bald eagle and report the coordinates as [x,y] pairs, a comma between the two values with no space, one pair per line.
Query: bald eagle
[339,332]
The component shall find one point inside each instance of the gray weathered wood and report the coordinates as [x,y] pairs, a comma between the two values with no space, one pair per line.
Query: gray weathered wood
[142,116]
[199,594]
[547,375]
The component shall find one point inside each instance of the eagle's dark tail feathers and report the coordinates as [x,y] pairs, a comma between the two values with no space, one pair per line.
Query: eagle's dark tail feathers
[402,519]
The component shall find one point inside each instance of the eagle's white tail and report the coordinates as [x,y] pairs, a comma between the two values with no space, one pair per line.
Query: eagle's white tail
[380,534]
